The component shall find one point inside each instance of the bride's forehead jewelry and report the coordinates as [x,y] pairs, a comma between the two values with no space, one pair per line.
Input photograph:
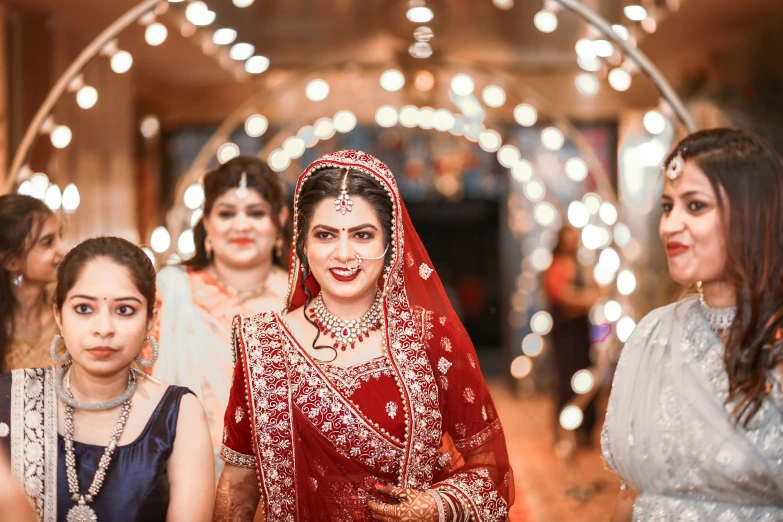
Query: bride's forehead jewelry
[242,191]
[675,167]
[344,203]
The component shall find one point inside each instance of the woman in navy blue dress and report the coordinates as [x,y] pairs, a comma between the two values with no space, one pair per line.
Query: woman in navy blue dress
[91,438]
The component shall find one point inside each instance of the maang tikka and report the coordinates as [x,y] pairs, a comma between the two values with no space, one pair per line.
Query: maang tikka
[675,167]
[344,203]
[242,191]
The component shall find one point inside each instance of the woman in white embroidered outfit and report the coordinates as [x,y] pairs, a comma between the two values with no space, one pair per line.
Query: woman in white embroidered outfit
[94,439]
[695,418]
[234,270]
[363,400]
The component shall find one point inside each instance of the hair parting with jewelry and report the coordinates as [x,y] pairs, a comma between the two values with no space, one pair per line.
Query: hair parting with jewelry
[21,220]
[337,185]
[115,249]
[241,174]
[747,175]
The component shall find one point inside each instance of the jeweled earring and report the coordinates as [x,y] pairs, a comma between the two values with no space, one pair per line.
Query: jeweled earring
[279,248]
[53,350]
[699,288]
[208,247]
[18,280]
[146,363]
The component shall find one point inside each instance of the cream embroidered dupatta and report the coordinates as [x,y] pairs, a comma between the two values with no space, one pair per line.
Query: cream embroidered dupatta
[28,432]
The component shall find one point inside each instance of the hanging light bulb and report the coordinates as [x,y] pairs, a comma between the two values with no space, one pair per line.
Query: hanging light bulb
[545,21]
[552,138]
[462,85]
[493,96]
[87,97]
[620,79]
[257,64]
[386,116]
[149,126]
[227,151]
[392,80]
[121,62]
[654,122]
[156,34]
[344,121]
[61,136]
[317,90]
[160,240]
[53,197]
[525,115]
[224,36]
[420,14]
[71,198]
[636,13]
[241,51]
[256,125]
[587,83]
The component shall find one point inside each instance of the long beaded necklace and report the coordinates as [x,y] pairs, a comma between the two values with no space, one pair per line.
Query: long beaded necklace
[346,332]
[81,512]
[720,319]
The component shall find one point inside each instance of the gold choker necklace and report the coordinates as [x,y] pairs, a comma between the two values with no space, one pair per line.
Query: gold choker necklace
[346,332]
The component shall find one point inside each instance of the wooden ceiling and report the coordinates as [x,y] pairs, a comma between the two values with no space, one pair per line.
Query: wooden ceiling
[185,86]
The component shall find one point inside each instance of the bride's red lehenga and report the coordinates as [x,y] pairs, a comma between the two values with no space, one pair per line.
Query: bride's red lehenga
[321,436]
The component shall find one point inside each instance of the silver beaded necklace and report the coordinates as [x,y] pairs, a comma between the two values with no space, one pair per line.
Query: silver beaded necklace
[81,512]
[720,319]
[64,374]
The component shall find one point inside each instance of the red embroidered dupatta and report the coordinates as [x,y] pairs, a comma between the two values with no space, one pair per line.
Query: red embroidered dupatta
[316,454]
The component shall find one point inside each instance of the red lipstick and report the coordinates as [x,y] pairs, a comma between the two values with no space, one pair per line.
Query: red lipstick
[242,241]
[674,248]
[342,278]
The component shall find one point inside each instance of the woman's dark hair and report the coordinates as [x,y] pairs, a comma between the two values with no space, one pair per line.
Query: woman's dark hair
[327,184]
[21,221]
[260,177]
[115,249]
[747,176]
[560,245]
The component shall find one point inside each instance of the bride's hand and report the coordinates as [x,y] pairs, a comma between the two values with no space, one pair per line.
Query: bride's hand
[414,506]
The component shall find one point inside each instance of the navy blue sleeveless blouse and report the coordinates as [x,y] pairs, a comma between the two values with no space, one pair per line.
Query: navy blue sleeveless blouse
[136,487]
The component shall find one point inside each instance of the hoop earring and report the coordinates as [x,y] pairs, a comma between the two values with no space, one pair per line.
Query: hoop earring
[18,280]
[53,350]
[146,363]
[208,247]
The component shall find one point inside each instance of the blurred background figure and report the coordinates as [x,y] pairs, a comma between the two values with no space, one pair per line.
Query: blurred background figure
[571,294]
[236,269]
[31,248]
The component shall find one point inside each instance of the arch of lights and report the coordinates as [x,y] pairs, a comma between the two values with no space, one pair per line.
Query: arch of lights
[592,214]
[146,11]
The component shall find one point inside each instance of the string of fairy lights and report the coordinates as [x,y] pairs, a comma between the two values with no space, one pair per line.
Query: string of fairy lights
[194,22]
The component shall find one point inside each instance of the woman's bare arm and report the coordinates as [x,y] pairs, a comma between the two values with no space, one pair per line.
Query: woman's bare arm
[238,496]
[191,466]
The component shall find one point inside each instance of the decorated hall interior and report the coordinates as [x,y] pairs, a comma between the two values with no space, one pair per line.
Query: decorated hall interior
[529,141]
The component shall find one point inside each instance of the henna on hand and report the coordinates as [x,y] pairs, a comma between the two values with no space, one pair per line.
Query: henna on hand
[237,495]
[414,506]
